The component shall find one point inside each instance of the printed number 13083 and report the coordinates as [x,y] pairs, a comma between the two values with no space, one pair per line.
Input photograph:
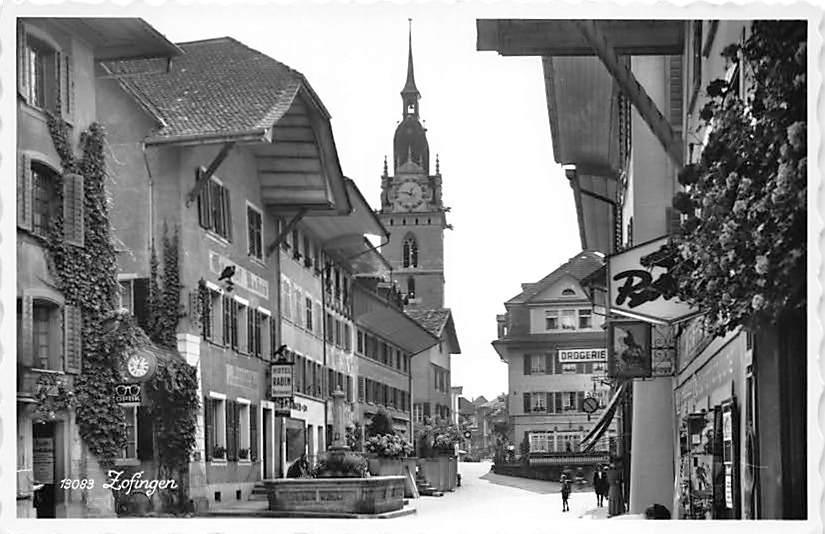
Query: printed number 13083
[73,483]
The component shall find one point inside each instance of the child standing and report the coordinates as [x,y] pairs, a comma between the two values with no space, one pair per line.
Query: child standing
[565,494]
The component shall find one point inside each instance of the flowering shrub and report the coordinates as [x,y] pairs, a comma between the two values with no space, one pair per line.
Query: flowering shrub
[346,465]
[437,436]
[741,254]
[389,446]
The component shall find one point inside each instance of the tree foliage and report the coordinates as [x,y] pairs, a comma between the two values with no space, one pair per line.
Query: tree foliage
[741,253]
[381,424]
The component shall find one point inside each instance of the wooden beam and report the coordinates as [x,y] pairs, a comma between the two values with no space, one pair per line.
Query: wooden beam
[204,178]
[287,229]
[628,83]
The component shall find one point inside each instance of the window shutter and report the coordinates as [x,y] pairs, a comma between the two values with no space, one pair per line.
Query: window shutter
[580,401]
[526,403]
[70,94]
[140,288]
[72,330]
[548,402]
[349,389]
[527,364]
[675,93]
[24,192]
[22,64]
[558,395]
[253,433]
[426,409]
[361,389]
[548,363]
[26,341]
[207,427]
[73,209]
[145,444]
[231,434]
[227,213]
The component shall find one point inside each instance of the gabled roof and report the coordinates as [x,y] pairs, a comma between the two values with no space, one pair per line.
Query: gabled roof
[579,267]
[439,321]
[481,399]
[217,87]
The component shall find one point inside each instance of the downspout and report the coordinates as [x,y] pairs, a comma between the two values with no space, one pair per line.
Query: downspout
[151,191]
[323,320]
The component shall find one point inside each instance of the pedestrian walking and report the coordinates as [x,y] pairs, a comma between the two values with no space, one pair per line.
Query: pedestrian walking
[600,485]
[565,493]
[615,494]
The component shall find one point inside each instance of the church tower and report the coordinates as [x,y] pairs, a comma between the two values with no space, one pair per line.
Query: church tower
[411,206]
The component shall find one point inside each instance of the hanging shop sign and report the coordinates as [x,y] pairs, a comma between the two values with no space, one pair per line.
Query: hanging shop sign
[43,460]
[637,291]
[629,350]
[281,387]
[663,350]
[125,393]
[590,404]
[582,355]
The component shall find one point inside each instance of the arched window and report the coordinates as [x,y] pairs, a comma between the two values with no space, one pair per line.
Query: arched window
[410,252]
[411,287]
[568,292]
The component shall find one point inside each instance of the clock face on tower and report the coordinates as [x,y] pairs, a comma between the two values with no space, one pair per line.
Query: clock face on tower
[409,195]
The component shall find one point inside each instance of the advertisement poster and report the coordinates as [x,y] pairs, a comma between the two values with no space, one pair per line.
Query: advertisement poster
[43,460]
[629,354]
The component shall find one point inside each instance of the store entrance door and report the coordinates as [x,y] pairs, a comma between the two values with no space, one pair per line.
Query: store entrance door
[43,468]
[268,448]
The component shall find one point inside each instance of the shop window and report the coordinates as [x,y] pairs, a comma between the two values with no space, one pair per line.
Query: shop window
[254,232]
[541,441]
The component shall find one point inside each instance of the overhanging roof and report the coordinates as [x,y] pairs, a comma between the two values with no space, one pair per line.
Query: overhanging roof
[120,38]
[361,256]
[537,37]
[360,220]
[394,325]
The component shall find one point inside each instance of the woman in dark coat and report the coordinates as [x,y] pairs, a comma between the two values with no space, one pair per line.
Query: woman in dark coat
[615,495]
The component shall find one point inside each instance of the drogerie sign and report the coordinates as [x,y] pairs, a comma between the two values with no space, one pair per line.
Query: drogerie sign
[583,355]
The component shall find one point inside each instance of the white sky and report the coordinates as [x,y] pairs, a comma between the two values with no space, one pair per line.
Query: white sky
[486,115]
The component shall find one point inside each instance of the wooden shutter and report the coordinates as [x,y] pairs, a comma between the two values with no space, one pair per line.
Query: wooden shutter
[580,401]
[675,93]
[207,427]
[526,403]
[24,192]
[145,439]
[548,363]
[227,214]
[72,331]
[527,364]
[204,209]
[231,430]
[26,341]
[361,389]
[548,402]
[70,93]
[22,63]
[140,293]
[558,395]
[253,432]
[349,389]
[73,209]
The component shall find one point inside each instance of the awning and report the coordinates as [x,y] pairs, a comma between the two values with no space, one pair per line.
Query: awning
[604,421]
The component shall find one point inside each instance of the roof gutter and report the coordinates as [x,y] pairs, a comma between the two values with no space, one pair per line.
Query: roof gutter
[256,136]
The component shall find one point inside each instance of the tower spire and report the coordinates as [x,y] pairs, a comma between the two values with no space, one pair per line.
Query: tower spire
[410,94]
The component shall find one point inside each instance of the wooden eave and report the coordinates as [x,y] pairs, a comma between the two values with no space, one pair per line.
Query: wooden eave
[525,37]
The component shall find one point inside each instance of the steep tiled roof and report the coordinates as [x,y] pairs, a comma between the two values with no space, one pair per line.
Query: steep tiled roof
[579,267]
[433,320]
[218,86]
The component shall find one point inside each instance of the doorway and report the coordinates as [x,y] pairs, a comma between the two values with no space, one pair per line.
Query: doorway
[43,468]
[267,443]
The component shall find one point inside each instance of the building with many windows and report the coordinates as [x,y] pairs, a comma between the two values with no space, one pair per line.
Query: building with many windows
[232,172]
[555,348]
[57,70]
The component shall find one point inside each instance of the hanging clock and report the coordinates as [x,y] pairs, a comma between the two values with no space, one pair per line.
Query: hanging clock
[139,366]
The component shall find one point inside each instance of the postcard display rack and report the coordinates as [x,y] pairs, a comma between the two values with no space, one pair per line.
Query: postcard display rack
[708,469]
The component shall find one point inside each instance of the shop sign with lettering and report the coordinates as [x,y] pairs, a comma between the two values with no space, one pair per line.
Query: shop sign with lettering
[663,357]
[281,387]
[582,355]
[638,291]
[127,393]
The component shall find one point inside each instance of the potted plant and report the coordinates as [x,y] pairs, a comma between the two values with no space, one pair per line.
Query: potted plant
[219,452]
[243,454]
[387,452]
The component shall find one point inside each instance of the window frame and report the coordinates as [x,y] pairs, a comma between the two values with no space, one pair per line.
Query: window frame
[214,207]
[218,407]
[244,429]
[254,236]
